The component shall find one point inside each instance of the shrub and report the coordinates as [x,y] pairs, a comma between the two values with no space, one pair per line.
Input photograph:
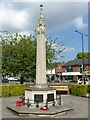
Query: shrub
[79,90]
[0,91]
[73,81]
[88,88]
[13,90]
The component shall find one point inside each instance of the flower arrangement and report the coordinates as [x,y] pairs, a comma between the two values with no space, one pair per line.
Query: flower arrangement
[19,103]
[44,108]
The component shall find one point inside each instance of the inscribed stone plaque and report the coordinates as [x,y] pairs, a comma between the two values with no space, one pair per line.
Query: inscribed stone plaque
[50,97]
[38,97]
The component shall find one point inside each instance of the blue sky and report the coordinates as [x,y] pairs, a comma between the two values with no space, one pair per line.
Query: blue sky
[61,20]
[72,41]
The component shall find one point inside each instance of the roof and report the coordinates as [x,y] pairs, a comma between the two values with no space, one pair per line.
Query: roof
[77,62]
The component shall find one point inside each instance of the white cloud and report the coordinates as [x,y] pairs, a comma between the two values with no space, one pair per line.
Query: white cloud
[17,17]
[13,18]
[69,49]
[79,23]
[27,33]
[62,15]
[55,46]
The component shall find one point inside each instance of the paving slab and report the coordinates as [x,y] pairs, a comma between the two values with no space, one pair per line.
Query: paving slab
[24,110]
[80,108]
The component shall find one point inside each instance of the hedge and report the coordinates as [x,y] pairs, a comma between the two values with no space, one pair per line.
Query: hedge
[19,89]
[12,90]
[79,89]
[88,88]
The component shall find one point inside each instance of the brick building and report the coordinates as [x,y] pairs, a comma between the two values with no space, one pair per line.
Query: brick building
[72,69]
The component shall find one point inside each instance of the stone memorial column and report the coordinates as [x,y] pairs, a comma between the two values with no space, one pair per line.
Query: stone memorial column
[41,80]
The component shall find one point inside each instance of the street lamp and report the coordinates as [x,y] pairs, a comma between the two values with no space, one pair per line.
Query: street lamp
[82,34]
[82,46]
[59,72]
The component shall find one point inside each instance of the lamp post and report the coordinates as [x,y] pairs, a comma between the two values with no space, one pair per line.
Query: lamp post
[82,34]
[59,72]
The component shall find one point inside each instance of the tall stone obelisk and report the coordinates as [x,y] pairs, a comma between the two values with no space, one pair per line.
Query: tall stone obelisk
[41,81]
[41,92]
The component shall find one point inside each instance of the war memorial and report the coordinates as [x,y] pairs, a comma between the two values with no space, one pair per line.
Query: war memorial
[40,99]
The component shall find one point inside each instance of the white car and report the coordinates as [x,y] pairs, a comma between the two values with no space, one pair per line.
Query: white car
[17,78]
[81,81]
[10,78]
[14,78]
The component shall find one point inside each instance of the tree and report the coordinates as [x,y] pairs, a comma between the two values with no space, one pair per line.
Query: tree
[80,55]
[19,54]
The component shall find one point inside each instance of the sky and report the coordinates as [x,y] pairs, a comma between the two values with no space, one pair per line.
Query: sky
[61,21]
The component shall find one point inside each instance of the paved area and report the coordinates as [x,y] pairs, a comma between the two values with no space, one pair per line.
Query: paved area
[0,108]
[80,105]
[32,110]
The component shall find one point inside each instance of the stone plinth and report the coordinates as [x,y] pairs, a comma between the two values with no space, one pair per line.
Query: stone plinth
[42,95]
[36,112]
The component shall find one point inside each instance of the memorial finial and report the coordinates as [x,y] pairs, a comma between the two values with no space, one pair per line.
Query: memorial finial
[41,25]
[41,5]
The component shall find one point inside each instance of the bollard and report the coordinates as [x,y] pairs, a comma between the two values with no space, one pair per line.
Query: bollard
[23,100]
[28,103]
[37,103]
[53,103]
[46,103]
[59,99]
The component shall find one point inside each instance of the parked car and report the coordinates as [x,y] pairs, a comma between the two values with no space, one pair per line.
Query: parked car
[17,78]
[4,80]
[81,81]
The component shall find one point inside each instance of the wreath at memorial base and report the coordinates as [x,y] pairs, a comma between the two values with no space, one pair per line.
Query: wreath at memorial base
[44,108]
[19,103]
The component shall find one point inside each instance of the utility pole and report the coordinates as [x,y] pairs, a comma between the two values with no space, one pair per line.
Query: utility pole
[82,34]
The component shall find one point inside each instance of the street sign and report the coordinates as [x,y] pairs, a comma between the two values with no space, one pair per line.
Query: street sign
[84,73]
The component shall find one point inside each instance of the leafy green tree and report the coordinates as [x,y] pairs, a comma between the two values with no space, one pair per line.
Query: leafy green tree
[52,51]
[19,53]
[81,55]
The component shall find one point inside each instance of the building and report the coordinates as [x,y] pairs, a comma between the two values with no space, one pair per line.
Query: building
[50,74]
[73,69]
[59,69]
